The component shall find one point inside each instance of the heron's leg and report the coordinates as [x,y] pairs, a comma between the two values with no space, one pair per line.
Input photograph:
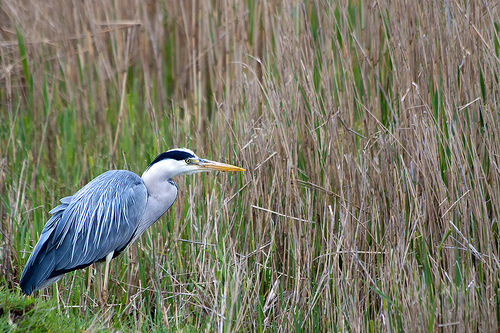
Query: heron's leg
[106,276]
[87,293]
[57,296]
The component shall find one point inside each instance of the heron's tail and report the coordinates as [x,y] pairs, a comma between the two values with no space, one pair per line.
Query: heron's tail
[37,272]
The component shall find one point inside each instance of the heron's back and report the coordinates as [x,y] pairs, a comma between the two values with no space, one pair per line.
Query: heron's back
[101,218]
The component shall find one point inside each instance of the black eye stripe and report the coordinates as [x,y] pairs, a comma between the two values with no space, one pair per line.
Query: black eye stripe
[178,155]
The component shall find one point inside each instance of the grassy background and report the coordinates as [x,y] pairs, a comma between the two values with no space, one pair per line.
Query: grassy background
[370,132]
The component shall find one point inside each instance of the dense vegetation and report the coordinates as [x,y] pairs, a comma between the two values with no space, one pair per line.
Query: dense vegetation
[370,134]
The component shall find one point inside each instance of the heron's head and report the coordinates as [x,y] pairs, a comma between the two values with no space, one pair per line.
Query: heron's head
[181,161]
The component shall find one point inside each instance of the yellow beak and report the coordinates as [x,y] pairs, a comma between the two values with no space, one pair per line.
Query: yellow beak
[211,165]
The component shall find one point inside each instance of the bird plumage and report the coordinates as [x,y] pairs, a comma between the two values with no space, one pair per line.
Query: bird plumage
[99,219]
[106,215]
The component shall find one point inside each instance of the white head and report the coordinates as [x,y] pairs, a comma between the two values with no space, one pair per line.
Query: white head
[181,161]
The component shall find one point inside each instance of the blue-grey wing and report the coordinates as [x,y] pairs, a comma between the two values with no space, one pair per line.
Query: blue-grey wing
[101,218]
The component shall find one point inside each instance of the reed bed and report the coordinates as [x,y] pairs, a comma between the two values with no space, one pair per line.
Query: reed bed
[369,131]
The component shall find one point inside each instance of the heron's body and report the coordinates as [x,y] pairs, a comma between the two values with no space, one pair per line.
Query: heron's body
[106,215]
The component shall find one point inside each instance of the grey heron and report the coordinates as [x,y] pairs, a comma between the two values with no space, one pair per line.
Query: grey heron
[100,220]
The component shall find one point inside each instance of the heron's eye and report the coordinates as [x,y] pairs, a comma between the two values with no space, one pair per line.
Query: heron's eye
[189,161]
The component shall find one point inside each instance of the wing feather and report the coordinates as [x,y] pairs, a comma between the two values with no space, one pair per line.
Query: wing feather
[99,219]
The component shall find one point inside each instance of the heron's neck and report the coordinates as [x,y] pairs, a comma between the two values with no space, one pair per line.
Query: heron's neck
[161,195]
[157,183]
